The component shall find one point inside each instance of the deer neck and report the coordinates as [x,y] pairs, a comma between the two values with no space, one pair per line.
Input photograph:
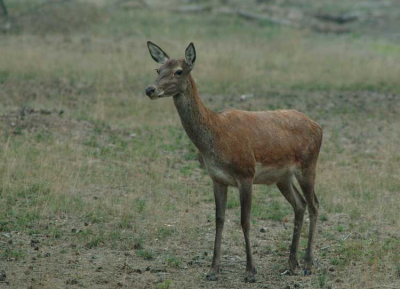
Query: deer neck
[195,117]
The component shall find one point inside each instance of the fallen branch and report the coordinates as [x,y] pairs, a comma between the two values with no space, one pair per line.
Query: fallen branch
[340,19]
[264,18]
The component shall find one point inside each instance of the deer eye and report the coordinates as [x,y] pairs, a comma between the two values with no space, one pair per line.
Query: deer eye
[179,72]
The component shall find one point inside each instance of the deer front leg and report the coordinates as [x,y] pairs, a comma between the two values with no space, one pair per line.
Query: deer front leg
[245,191]
[220,195]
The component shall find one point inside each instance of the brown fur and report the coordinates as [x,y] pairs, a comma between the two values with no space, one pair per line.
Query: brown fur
[242,148]
[237,140]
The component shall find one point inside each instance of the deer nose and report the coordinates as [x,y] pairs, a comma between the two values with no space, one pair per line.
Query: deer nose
[150,90]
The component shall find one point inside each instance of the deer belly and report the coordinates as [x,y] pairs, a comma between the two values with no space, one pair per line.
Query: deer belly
[219,175]
[269,175]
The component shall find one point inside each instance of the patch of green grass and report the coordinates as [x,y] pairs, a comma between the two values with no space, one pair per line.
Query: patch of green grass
[355,214]
[95,217]
[322,280]
[334,261]
[43,137]
[95,241]
[92,142]
[140,205]
[12,254]
[272,210]
[145,254]
[126,221]
[166,232]
[323,218]
[4,75]
[55,233]
[138,243]
[166,284]
[386,49]
[188,168]
[172,262]
[339,228]
[233,200]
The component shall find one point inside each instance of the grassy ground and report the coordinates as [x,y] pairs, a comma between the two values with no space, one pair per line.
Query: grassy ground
[101,188]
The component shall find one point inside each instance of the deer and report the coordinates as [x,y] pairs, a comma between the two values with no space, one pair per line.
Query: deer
[243,148]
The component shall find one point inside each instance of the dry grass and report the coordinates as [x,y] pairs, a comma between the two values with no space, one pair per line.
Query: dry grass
[108,183]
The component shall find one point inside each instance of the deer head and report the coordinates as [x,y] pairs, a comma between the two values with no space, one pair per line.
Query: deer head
[172,74]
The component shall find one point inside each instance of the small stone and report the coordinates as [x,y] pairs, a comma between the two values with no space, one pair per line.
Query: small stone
[263,230]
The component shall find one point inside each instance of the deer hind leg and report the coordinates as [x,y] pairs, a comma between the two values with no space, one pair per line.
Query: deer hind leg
[245,192]
[292,195]
[306,181]
[220,195]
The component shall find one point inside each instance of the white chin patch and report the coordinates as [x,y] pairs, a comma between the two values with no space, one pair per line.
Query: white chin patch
[158,95]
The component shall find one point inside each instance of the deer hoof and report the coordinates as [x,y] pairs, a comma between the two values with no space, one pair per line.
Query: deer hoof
[250,277]
[212,277]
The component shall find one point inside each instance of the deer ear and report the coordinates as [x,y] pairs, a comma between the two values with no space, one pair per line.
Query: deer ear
[190,55]
[157,53]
